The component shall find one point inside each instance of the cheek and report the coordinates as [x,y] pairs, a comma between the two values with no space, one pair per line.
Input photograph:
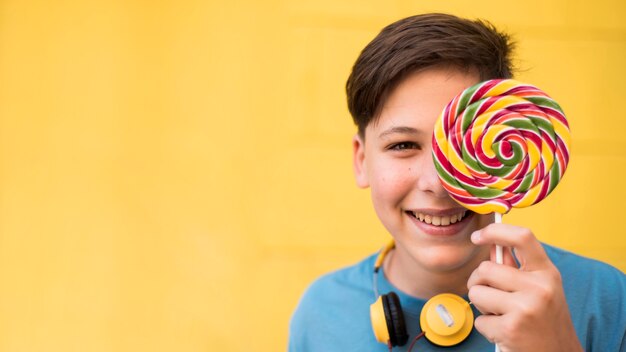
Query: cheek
[391,182]
[484,220]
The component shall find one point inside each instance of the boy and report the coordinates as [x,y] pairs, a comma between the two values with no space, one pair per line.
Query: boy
[552,301]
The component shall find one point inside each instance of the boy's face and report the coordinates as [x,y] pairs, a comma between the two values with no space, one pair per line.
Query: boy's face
[395,161]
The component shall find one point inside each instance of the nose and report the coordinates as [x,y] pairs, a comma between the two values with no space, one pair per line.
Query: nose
[428,179]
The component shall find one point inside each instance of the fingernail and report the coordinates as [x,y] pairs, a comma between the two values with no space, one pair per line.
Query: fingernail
[475,236]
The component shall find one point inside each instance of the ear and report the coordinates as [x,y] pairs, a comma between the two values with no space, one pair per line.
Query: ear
[359,162]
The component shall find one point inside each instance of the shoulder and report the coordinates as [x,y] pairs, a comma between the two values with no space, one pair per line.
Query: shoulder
[588,277]
[336,302]
[332,289]
[596,296]
[354,278]
[578,268]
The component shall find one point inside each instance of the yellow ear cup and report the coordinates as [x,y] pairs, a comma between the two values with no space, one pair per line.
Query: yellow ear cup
[379,322]
[447,319]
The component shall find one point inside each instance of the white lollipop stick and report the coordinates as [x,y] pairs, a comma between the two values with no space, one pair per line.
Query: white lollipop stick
[499,256]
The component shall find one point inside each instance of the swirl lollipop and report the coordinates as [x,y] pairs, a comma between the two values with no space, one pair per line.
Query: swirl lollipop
[501,144]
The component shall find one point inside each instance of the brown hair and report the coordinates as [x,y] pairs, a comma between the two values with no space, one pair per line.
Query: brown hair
[416,43]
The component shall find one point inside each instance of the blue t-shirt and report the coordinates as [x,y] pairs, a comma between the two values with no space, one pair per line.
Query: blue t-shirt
[333,314]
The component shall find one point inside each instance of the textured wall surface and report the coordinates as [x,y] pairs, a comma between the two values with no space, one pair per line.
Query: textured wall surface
[173,174]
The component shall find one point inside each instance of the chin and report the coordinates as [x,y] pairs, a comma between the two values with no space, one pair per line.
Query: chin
[448,258]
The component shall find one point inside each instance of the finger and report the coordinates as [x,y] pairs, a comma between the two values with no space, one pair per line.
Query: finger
[489,300]
[489,326]
[529,251]
[501,277]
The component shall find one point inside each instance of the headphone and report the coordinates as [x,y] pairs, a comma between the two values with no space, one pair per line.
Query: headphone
[446,319]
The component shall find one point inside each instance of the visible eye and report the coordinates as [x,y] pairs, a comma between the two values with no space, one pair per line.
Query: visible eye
[404,146]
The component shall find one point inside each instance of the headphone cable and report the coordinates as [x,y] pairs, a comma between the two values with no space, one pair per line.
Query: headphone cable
[419,336]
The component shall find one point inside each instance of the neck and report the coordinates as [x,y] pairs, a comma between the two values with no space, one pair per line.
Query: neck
[419,282]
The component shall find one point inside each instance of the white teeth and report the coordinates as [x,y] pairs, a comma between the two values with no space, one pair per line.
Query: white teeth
[440,220]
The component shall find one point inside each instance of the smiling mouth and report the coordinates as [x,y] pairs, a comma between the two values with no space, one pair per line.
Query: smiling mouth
[440,220]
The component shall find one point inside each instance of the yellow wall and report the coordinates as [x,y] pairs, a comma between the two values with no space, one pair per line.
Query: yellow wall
[173,174]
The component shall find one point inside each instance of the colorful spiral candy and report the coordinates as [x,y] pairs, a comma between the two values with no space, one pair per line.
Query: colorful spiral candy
[501,144]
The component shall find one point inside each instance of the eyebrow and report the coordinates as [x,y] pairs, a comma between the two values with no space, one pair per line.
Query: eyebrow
[400,130]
